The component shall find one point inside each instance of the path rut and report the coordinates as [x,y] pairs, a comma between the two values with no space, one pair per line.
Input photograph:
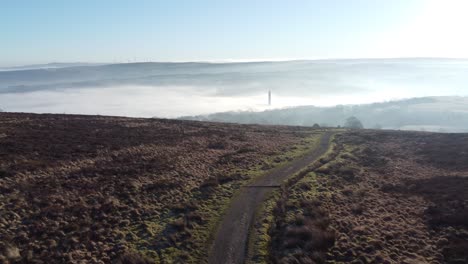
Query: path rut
[230,243]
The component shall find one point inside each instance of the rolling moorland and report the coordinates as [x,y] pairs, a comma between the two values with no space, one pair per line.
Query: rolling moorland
[378,197]
[98,189]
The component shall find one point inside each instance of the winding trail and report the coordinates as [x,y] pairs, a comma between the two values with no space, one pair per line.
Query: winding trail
[230,242]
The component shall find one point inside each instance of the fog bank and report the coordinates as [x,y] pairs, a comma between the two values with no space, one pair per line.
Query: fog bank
[188,89]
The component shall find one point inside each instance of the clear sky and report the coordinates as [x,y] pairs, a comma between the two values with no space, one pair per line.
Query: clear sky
[220,30]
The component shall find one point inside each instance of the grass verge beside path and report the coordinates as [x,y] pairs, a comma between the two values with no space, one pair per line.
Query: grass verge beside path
[184,231]
[299,190]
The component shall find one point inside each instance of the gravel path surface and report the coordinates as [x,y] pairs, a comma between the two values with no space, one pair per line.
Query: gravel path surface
[230,244]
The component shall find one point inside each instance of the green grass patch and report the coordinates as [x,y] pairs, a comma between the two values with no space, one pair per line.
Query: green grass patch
[259,239]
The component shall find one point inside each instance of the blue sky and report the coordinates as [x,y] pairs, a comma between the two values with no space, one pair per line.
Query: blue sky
[119,31]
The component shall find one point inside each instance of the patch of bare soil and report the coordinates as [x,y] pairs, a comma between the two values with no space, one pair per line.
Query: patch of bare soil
[397,197]
[90,189]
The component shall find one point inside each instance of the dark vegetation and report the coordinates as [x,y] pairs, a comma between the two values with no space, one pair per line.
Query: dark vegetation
[133,258]
[448,209]
[378,197]
[303,238]
[445,151]
[406,188]
[447,194]
[95,189]
[90,189]
[300,232]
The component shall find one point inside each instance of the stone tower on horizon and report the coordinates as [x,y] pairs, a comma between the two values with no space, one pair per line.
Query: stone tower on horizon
[269,97]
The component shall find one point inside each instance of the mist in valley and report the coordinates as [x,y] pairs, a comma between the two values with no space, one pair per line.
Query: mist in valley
[304,92]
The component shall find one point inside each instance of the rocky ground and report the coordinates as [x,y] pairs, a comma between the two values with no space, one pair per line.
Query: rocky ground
[92,189]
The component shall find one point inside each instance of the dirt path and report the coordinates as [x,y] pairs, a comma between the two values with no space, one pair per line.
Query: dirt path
[230,244]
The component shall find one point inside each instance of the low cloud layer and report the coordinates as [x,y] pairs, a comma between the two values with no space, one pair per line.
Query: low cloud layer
[180,89]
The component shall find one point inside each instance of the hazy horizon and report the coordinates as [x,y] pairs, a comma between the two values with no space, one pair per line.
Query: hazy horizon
[63,64]
[120,31]
[182,58]
[247,131]
[180,89]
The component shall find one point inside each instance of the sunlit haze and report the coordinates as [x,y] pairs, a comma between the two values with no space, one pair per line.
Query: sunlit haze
[234,131]
[97,57]
[123,31]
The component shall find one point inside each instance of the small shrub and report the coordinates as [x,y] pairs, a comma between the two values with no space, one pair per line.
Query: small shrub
[347,191]
[304,186]
[194,217]
[179,224]
[4,173]
[348,173]
[361,192]
[457,250]
[389,187]
[325,160]
[217,145]
[184,207]
[225,178]
[357,209]
[210,182]
[245,150]
[310,203]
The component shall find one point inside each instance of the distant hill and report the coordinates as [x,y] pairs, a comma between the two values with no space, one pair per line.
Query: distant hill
[286,78]
[439,114]
[167,89]
[53,65]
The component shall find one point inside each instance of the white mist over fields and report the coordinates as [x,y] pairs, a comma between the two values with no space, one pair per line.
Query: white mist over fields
[168,102]
[172,90]
[171,102]
[133,101]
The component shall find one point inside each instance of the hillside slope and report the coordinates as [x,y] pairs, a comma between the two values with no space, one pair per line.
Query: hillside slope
[93,188]
[380,197]
[111,189]
[437,114]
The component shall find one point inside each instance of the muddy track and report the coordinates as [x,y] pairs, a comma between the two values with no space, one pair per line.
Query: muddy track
[231,239]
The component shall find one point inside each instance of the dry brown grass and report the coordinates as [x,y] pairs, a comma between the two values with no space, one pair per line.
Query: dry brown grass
[306,239]
[84,188]
[132,258]
[406,203]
